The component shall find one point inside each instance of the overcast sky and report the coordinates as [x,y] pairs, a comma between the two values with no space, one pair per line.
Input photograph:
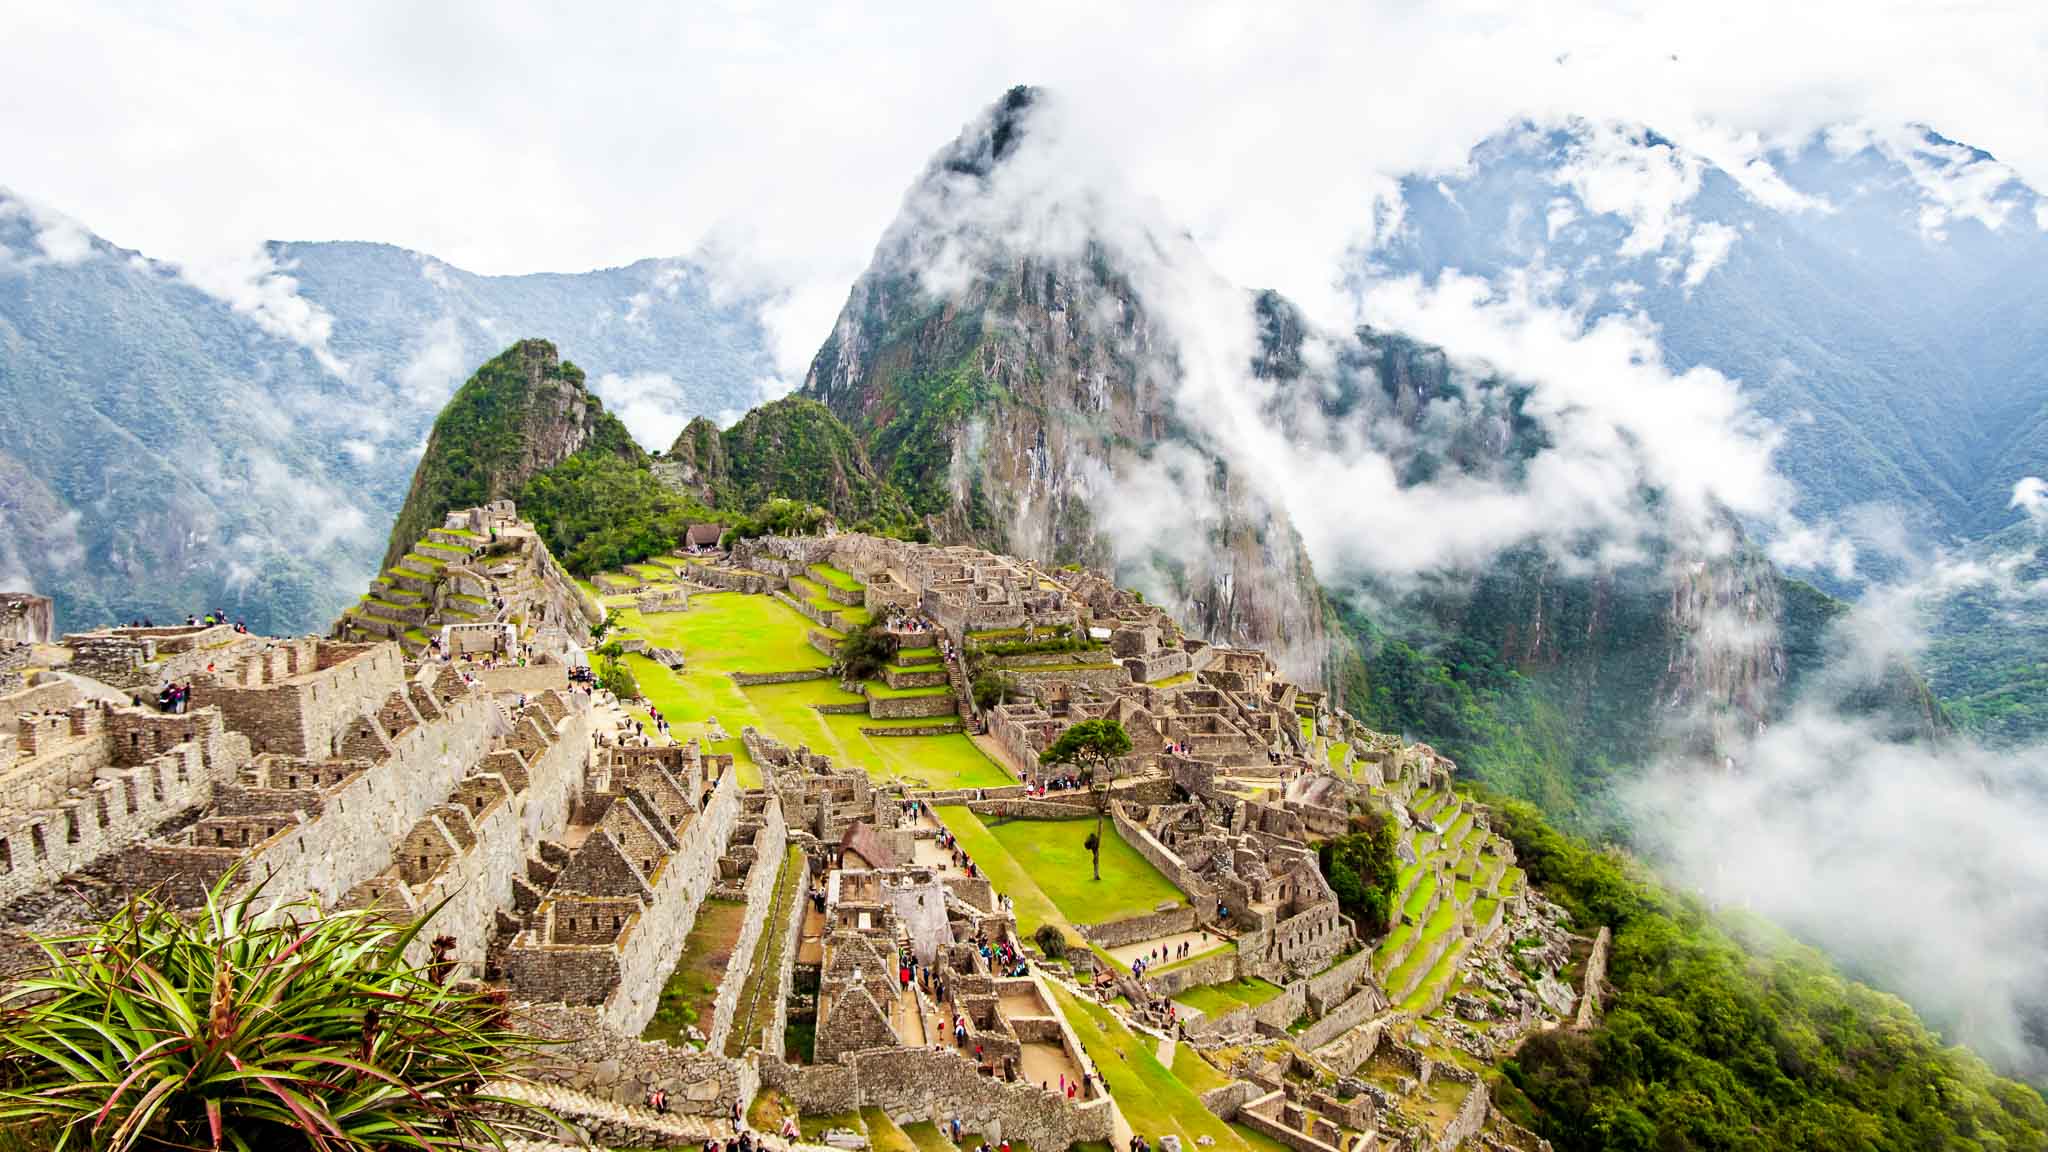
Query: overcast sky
[509,137]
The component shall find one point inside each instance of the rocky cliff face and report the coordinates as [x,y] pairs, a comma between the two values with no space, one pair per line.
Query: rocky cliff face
[1019,400]
[523,412]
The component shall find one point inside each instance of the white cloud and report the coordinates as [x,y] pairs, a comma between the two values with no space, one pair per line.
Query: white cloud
[59,239]
[1647,183]
[2030,495]
[251,283]
[1918,862]
[651,404]
[1711,243]
[435,364]
[525,167]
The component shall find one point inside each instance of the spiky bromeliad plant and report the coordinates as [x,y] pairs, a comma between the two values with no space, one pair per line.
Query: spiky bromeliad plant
[249,1028]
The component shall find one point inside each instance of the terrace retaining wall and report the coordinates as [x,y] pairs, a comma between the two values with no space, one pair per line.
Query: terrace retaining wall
[912,707]
[584,1054]
[1136,929]
[1363,1005]
[753,679]
[935,1085]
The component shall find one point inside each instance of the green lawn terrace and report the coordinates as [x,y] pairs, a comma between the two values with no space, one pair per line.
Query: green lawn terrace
[1044,867]
[905,734]
[410,600]
[682,1017]
[1451,896]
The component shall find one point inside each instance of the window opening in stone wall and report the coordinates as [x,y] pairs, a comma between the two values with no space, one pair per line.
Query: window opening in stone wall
[6,856]
[71,827]
[35,834]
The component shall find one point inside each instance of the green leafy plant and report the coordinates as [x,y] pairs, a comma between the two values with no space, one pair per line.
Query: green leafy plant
[1051,941]
[863,654]
[251,1029]
[1091,745]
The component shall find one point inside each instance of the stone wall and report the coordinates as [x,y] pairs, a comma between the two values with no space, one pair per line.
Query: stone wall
[1215,968]
[532,679]
[1150,926]
[750,679]
[1163,858]
[477,883]
[935,1085]
[952,729]
[1363,1005]
[792,935]
[769,843]
[1106,677]
[585,1054]
[1334,984]
[120,808]
[823,618]
[352,838]
[912,707]
[650,948]
[1022,808]
[26,618]
[303,698]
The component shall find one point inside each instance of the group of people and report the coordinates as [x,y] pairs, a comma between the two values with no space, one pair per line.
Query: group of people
[1064,782]
[660,721]
[903,622]
[960,858]
[173,697]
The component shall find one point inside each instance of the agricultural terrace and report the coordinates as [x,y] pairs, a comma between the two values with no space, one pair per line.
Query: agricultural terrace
[726,632]
[1453,889]
[1153,1100]
[1043,866]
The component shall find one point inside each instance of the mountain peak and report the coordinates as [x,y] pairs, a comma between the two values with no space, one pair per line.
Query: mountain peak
[523,412]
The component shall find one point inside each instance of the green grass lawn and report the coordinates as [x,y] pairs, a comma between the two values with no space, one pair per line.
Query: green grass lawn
[1054,852]
[1419,898]
[1198,1074]
[1152,1099]
[834,576]
[1218,999]
[1338,752]
[726,632]
[731,632]
[926,1137]
[1393,942]
[686,1000]
[761,993]
[1032,905]
[1259,1141]
[1439,973]
[883,1134]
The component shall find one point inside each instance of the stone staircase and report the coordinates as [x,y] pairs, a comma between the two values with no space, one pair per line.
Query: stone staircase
[592,1120]
[963,696]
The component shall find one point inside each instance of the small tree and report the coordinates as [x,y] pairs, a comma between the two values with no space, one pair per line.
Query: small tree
[993,688]
[613,674]
[863,654]
[1091,745]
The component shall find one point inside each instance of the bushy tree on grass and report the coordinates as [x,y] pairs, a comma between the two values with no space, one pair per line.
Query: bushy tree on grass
[1092,746]
[863,654]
